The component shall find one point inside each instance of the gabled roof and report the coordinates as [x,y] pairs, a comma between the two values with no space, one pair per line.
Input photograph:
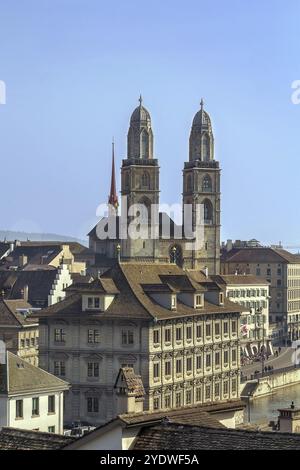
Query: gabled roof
[239,279]
[9,314]
[18,376]
[24,439]
[132,382]
[131,300]
[173,436]
[4,247]
[39,284]
[258,255]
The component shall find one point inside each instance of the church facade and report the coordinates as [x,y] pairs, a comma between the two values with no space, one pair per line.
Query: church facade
[196,243]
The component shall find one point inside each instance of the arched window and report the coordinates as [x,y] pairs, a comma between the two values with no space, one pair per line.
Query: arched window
[205,148]
[208,212]
[175,253]
[144,144]
[146,180]
[146,215]
[189,183]
[206,183]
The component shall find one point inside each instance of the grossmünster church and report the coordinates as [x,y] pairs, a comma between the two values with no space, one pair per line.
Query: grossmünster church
[140,185]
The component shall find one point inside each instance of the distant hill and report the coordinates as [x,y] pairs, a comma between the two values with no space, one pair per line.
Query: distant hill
[24,236]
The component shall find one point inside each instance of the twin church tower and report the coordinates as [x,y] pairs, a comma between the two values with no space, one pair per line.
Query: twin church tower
[140,185]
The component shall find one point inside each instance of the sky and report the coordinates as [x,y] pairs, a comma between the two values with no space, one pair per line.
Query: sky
[74,70]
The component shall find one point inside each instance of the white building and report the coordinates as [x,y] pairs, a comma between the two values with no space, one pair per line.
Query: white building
[30,398]
[252,294]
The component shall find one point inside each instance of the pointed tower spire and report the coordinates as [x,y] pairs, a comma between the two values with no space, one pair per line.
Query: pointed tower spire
[113,197]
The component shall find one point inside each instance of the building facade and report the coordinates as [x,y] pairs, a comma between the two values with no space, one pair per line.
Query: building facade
[281,270]
[30,398]
[18,330]
[252,294]
[175,329]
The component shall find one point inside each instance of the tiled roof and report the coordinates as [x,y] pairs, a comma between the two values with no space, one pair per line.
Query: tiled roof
[39,284]
[193,414]
[9,314]
[18,376]
[23,439]
[133,381]
[130,280]
[258,255]
[4,247]
[170,436]
[239,279]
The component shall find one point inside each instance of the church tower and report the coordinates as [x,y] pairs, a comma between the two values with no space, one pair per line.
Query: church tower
[140,184]
[201,185]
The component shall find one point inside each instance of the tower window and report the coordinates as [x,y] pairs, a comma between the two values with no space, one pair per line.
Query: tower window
[207,184]
[146,180]
[144,144]
[205,148]
[208,212]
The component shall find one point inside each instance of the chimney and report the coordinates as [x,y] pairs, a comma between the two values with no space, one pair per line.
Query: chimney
[229,245]
[205,271]
[24,293]
[23,260]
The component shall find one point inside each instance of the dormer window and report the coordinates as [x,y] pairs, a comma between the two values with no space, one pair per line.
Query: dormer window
[221,298]
[198,300]
[93,303]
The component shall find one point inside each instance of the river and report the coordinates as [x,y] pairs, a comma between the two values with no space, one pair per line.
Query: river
[265,409]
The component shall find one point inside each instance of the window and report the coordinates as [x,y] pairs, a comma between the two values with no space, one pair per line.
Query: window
[93,302]
[206,185]
[233,326]
[226,357]
[32,341]
[199,331]
[217,389]
[269,272]
[93,369]
[156,370]
[92,405]
[173,301]
[188,397]
[188,332]
[168,335]
[257,271]
[217,358]
[199,362]
[189,182]
[93,336]
[51,404]
[208,360]
[221,298]
[145,180]
[156,403]
[199,302]
[207,392]
[27,342]
[198,394]
[208,330]
[178,399]
[19,409]
[233,355]
[233,385]
[59,335]
[225,387]
[178,333]
[127,337]
[208,211]
[156,336]
[217,329]
[167,401]
[35,407]
[189,364]
[278,282]
[59,368]
[178,366]
[22,343]
[51,429]
[168,368]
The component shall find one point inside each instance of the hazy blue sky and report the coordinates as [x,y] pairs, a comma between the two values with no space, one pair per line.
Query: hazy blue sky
[74,70]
